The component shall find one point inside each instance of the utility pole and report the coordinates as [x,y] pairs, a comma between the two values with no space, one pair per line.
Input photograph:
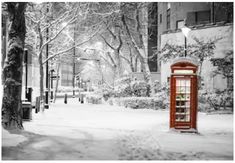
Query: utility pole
[47,48]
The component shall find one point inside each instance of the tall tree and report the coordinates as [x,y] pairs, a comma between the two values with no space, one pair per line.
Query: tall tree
[137,14]
[11,103]
[43,29]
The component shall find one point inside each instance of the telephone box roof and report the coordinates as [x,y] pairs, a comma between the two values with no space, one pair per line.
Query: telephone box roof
[190,60]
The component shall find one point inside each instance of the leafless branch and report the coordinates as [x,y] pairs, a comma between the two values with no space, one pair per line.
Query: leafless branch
[76,45]
[107,42]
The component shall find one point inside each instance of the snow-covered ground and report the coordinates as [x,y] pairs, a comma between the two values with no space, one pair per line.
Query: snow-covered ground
[77,131]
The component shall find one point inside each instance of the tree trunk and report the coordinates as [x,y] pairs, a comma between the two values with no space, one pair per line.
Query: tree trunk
[11,103]
[141,48]
[119,65]
[41,82]
[145,68]
[41,72]
[131,60]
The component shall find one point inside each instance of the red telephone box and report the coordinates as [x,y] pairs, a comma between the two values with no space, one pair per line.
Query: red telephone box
[183,96]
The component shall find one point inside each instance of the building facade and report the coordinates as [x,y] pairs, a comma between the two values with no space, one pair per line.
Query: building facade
[208,21]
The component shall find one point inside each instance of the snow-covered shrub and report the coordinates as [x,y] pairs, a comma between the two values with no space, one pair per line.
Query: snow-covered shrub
[163,99]
[94,98]
[107,93]
[156,86]
[218,100]
[140,88]
[123,90]
[162,94]
[138,102]
[123,80]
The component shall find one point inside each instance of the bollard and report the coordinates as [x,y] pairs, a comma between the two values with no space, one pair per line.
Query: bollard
[65,98]
[37,106]
[82,99]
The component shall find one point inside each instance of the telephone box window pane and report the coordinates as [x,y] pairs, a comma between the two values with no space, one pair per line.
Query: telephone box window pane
[187,82]
[183,71]
[177,82]
[183,100]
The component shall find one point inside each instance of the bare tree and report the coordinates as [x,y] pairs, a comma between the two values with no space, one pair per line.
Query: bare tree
[137,14]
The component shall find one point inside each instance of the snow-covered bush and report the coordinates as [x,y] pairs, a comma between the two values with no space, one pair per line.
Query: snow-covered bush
[140,88]
[218,100]
[162,94]
[107,93]
[123,80]
[125,87]
[138,102]
[156,86]
[123,90]
[163,99]
[94,98]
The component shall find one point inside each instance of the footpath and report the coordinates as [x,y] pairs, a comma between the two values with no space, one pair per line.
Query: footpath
[75,131]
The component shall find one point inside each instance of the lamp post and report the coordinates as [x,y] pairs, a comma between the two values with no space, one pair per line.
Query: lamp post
[52,78]
[47,47]
[26,71]
[74,64]
[185,31]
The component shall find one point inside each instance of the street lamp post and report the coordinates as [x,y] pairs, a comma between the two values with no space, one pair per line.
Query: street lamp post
[74,51]
[185,31]
[52,78]
[47,47]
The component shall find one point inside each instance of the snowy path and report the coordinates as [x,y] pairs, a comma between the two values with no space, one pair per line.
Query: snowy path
[102,132]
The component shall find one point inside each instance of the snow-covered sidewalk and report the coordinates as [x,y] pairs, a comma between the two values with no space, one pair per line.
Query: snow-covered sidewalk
[77,131]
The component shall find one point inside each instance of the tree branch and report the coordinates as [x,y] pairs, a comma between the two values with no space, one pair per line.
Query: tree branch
[107,42]
[112,60]
[53,38]
[135,45]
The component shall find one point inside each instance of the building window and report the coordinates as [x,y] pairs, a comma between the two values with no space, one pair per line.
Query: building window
[168,19]
[160,18]
[200,17]
[179,24]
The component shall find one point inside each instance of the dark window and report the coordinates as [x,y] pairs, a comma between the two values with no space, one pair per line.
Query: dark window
[160,18]
[168,19]
[223,11]
[200,17]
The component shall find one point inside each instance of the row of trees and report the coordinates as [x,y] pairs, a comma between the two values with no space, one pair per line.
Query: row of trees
[43,28]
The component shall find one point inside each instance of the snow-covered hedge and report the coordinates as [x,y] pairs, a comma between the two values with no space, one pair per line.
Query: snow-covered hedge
[132,88]
[94,98]
[126,87]
[139,102]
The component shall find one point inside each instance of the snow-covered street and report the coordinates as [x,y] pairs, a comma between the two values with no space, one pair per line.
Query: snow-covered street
[77,131]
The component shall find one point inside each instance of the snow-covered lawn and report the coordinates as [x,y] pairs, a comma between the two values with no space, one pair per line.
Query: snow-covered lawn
[77,131]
